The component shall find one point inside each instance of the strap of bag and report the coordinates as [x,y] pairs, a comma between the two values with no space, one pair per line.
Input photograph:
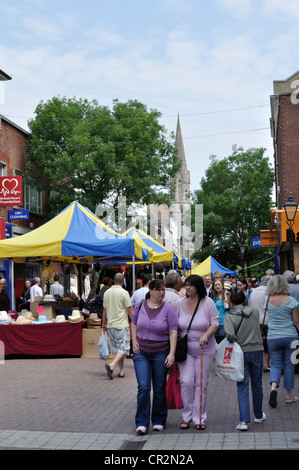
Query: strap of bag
[262,326]
[193,315]
[239,324]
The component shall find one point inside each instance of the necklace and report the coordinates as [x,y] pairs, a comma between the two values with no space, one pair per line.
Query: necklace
[154,306]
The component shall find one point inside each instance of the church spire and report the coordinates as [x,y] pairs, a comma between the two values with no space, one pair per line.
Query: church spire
[181,181]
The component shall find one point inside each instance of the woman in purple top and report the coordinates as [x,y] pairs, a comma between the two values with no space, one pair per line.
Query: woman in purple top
[201,336]
[154,337]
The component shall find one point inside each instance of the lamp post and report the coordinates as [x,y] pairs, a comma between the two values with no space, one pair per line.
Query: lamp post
[242,250]
[290,209]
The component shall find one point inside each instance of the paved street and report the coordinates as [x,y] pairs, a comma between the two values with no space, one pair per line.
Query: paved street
[69,403]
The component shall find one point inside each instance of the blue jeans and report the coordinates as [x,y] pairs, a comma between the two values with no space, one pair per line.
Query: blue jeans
[150,368]
[280,356]
[253,369]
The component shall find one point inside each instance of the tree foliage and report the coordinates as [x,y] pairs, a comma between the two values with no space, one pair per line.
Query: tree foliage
[236,196]
[81,151]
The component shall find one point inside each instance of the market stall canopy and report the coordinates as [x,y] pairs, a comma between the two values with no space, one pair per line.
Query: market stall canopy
[209,266]
[75,233]
[157,253]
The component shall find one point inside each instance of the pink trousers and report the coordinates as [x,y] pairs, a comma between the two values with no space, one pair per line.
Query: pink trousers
[190,377]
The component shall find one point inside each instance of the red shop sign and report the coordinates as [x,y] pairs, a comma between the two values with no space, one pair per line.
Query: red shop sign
[11,191]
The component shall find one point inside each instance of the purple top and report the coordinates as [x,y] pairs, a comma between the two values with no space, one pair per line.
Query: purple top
[153,326]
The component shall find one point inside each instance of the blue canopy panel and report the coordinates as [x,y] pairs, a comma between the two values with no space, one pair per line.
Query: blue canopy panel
[215,266]
[85,237]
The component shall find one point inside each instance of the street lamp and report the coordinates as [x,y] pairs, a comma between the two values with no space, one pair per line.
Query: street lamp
[290,209]
[242,250]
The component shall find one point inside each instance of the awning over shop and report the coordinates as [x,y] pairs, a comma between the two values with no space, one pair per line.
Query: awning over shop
[75,233]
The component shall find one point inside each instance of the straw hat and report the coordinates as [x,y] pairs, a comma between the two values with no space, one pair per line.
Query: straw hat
[4,316]
[60,319]
[46,274]
[94,321]
[29,315]
[22,320]
[75,317]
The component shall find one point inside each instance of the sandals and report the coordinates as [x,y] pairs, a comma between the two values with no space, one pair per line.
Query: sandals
[185,424]
[200,427]
[292,400]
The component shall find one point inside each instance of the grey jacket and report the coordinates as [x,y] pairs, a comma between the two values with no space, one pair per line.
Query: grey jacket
[249,334]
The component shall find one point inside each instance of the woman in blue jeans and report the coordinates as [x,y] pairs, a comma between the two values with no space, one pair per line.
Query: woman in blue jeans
[241,324]
[154,337]
[282,335]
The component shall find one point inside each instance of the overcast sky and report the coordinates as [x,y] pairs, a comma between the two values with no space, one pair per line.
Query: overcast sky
[211,61]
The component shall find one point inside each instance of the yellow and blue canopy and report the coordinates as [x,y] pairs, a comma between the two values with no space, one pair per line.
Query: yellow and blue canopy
[209,266]
[77,233]
[157,253]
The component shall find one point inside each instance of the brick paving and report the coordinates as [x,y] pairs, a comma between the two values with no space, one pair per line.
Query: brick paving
[70,403]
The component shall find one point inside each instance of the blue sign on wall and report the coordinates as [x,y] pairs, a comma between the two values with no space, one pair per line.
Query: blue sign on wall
[21,214]
[256,242]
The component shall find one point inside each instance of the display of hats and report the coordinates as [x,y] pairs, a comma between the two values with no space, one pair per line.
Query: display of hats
[41,320]
[5,318]
[60,319]
[94,321]
[75,317]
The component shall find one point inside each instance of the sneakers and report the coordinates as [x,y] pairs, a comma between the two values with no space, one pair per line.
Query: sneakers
[242,427]
[263,418]
[158,427]
[141,430]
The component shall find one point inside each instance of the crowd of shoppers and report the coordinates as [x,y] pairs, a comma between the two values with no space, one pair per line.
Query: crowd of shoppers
[262,317]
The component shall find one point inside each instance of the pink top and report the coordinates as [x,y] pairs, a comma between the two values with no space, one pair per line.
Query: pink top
[205,316]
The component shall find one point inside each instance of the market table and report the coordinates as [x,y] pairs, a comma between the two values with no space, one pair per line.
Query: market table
[49,339]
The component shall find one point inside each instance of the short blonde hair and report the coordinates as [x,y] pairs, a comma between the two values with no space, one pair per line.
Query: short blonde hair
[277,285]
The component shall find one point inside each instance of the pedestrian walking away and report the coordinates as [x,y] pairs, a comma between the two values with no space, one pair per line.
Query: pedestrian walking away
[115,319]
[245,320]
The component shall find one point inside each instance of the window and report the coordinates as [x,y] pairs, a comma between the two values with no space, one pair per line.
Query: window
[3,169]
[32,198]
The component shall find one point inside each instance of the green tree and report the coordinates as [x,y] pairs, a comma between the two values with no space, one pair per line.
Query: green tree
[81,151]
[236,196]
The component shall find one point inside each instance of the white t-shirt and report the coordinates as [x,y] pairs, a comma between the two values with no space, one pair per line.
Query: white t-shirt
[34,292]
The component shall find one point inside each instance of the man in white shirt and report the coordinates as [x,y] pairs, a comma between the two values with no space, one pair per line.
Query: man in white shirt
[140,294]
[36,290]
[208,284]
[173,284]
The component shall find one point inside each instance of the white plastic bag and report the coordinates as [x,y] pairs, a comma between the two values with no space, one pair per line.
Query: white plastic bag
[229,361]
[104,346]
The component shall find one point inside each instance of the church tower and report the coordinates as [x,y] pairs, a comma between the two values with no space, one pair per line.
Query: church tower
[181,188]
[181,181]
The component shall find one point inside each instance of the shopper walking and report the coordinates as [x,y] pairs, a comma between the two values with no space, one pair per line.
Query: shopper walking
[245,320]
[115,319]
[154,338]
[200,337]
[282,332]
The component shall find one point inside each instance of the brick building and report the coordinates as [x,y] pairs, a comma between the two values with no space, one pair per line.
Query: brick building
[12,163]
[285,133]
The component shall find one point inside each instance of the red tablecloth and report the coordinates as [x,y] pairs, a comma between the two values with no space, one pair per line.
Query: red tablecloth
[50,339]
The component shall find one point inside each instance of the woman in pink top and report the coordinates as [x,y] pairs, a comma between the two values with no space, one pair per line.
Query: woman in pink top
[201,336]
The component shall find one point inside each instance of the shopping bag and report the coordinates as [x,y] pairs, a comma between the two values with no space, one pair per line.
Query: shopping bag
[173,390]
[104,346]
[229,361]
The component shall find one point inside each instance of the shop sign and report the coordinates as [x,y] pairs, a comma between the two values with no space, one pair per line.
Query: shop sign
[11,191]
[268,237]
[256,242]
[22,214]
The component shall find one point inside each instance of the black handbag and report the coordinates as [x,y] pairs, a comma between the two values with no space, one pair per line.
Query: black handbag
[182,346]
